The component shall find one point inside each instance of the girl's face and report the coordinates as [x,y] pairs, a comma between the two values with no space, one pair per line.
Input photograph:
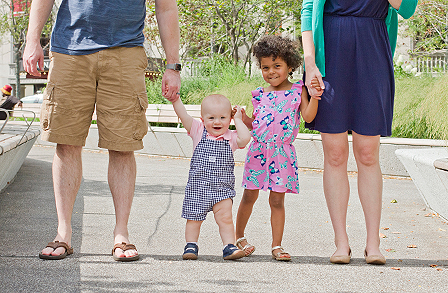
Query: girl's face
[275,72]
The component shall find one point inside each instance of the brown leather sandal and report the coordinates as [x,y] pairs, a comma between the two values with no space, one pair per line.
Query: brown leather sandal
[55,245]
[123,246]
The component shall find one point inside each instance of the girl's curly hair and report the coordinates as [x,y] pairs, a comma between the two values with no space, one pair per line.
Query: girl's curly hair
[277,46]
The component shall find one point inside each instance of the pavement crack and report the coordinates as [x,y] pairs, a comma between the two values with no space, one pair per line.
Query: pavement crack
[161,216]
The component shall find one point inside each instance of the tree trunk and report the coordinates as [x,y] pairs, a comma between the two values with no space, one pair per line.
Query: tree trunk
[17,54]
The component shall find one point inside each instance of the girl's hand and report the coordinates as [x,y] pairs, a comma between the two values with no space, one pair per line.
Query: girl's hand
[313,81]
[237,112]
[315,84]
[240,113]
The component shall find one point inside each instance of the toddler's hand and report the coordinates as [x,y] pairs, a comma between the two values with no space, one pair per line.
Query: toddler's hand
[237,112]
[171,98]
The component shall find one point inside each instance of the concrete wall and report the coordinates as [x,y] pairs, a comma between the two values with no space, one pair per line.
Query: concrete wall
[174,142]
[15,144]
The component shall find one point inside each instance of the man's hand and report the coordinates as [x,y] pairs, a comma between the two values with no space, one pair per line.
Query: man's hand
[32,56]
[171,85]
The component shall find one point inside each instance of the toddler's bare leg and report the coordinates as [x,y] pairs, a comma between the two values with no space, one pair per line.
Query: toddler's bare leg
[223,217]
[192,229]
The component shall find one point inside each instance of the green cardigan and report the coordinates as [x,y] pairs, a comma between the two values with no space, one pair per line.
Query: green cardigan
[312,20]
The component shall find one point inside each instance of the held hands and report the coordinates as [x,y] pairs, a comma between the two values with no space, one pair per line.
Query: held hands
[243,132]
[171,85]
[237,112]
[316,85]
[246,119]
[313,74]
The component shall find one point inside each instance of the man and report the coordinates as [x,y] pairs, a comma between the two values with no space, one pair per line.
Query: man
[7,101]
[97,55]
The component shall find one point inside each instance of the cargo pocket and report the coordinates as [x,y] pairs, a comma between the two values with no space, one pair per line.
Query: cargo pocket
[47,108]
[141,125]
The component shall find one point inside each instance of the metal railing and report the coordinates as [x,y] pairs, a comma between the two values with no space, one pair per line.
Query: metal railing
[25,118]
[433,63]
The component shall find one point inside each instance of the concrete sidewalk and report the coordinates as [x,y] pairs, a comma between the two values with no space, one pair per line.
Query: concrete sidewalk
[28,222]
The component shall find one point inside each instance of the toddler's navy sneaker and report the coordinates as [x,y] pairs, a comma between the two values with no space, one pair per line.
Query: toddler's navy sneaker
[190,251]
[232,252]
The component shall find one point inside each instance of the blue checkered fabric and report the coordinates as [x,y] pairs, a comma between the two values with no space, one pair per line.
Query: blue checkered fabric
[211,178]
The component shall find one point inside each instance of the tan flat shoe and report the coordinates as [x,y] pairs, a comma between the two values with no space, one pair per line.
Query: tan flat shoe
[374,259]
[341,259]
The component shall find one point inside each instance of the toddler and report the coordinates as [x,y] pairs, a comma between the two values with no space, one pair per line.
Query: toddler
[211,179]
[271,162]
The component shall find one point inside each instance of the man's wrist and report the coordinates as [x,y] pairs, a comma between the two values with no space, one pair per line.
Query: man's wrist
[174,66]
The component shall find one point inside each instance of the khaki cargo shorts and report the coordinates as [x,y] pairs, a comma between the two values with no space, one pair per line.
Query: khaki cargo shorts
[113,80]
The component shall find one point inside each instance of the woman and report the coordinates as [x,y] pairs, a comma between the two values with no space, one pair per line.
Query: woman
[348,46]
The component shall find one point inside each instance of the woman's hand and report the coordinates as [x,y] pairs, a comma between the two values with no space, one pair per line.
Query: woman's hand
[313,81]
[395,3]
[316,85]
[311,70]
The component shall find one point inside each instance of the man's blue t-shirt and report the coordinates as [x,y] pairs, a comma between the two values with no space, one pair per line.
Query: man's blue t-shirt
[87,26]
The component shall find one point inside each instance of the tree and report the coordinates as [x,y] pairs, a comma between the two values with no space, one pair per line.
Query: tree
[243,22]
[225,26]
[14,20]
[429,26]
[195,22]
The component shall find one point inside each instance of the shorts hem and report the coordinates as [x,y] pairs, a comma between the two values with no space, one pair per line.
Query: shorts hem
[193,218]
[62,139]
[270,189]
[120,146]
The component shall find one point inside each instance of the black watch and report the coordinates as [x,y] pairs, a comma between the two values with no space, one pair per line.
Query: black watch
[174,66]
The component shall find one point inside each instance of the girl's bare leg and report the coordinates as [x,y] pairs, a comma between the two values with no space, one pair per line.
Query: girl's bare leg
[244,212]
[277,204]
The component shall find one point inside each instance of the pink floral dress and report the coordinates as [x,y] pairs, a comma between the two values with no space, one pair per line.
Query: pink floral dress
[271,161]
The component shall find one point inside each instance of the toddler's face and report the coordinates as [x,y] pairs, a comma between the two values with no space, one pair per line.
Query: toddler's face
[274,72]
[216,118]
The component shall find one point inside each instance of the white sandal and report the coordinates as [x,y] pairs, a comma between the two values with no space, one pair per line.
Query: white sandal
[279,255]
[247,246]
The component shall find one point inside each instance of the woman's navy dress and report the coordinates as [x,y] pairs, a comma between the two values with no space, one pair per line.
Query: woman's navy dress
[359,80]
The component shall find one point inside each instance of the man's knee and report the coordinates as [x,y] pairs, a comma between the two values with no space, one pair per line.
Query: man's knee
[68,150]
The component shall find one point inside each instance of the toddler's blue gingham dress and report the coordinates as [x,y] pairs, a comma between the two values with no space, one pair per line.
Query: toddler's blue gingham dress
[211,178]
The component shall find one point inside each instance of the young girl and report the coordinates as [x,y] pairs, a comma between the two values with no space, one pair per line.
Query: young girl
[211,180]
[271,158]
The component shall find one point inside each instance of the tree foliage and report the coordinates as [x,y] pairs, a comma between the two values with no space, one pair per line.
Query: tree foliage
[14,18]
[429,25]
[226,26]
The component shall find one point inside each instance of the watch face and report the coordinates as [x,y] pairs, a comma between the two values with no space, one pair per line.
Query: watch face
[175,66]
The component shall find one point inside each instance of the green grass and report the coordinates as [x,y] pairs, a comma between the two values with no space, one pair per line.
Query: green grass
[421,103]
[421,109]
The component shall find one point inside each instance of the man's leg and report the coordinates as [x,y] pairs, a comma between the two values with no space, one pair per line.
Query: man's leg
[67,175]
[121,176]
